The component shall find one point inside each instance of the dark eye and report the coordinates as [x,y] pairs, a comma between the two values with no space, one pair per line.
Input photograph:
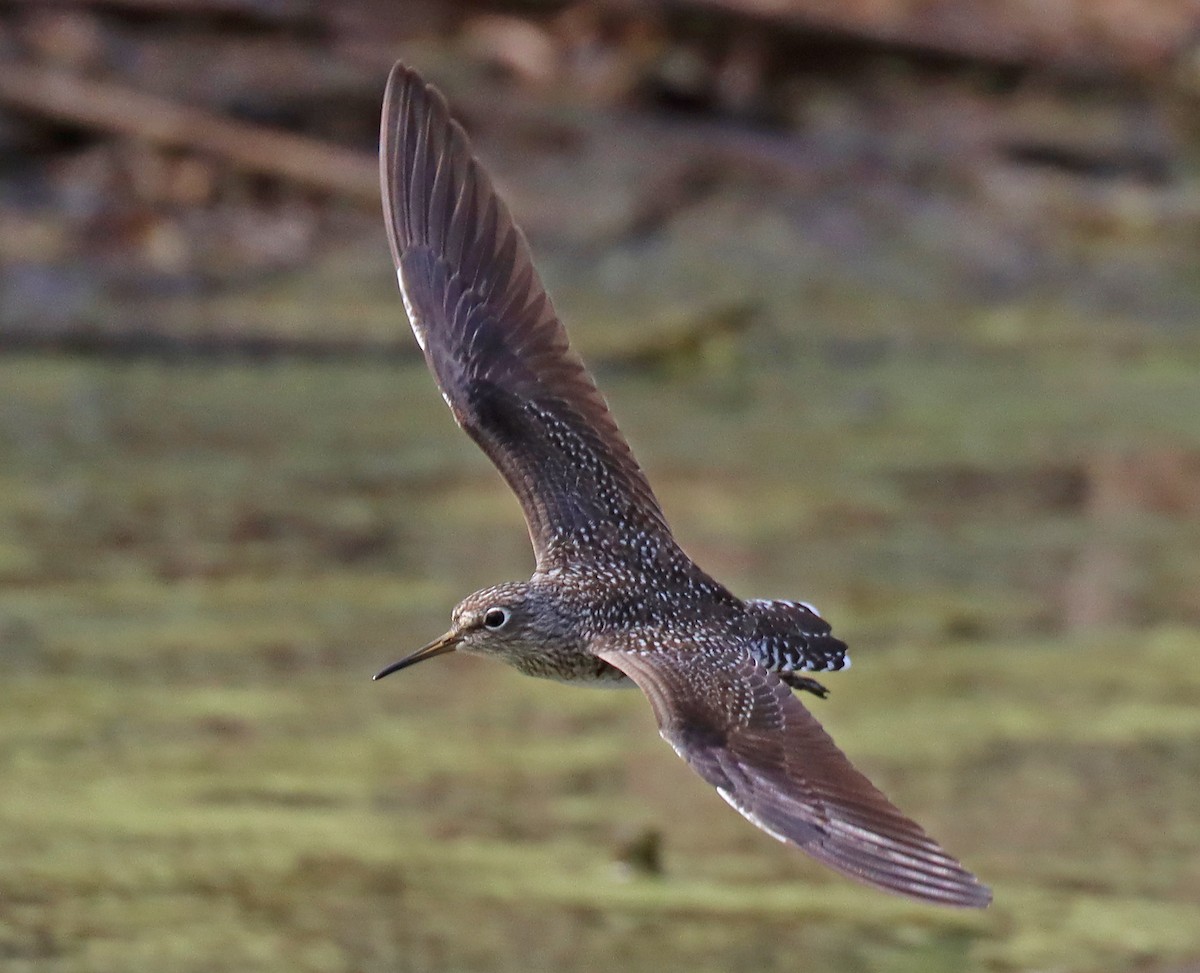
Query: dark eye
[496,618]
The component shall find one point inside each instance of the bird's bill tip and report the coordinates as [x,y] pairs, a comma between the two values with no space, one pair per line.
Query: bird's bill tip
[447,643]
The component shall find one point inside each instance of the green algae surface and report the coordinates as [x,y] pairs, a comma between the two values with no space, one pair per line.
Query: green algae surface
[202,566]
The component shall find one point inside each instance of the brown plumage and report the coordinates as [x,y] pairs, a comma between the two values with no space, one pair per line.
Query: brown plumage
[613,597]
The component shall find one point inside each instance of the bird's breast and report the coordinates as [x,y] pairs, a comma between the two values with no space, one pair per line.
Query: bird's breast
[570,665]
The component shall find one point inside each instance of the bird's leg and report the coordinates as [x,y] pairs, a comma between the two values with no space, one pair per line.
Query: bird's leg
[805,683]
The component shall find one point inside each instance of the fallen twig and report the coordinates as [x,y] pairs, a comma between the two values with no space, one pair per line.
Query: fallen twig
[276,11]
[117,108]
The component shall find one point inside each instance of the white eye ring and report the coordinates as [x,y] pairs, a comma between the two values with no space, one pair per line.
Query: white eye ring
[495,618]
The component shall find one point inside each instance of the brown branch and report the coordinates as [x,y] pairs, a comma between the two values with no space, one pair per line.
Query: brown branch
[1112,41]
[116,108]
[279,11]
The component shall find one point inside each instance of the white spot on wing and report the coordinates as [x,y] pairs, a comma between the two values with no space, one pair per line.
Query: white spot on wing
[750,816]
[408,309]
[679,750]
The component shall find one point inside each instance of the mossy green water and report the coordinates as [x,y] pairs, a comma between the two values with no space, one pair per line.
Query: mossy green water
[202,566]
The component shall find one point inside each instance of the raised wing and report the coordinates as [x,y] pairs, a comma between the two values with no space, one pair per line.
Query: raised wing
[494,343]
[745,733]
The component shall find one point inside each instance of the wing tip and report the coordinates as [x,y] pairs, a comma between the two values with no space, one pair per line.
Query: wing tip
[401,78]
[411,107]
[977,897]
[929,875]
[970,895]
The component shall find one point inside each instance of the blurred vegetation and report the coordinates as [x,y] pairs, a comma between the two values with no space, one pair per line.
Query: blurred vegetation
[911,336]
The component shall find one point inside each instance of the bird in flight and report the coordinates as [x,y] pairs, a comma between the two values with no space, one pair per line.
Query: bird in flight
[613,599]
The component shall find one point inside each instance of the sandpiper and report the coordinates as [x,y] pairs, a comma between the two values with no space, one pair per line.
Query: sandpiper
[613,599]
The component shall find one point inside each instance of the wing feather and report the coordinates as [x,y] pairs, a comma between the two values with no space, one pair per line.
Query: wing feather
[744,732]
[494,343]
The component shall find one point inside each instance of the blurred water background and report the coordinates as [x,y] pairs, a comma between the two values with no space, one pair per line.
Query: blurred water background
[899,305]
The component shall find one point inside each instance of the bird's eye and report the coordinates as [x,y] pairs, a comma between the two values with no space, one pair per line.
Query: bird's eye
[496,618]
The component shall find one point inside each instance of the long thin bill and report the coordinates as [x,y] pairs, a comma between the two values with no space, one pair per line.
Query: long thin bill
[447,643]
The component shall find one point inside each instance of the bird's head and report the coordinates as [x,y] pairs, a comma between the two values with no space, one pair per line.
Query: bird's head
[505,620]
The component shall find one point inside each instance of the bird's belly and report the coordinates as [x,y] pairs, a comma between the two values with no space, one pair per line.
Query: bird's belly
[581,668]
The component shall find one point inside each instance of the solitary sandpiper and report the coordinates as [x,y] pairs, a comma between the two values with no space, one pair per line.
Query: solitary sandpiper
[613,599]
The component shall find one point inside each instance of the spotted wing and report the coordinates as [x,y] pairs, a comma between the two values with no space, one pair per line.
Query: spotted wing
[745,733]
[493,341]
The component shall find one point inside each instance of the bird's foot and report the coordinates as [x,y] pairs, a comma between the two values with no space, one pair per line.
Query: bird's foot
[805,683]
